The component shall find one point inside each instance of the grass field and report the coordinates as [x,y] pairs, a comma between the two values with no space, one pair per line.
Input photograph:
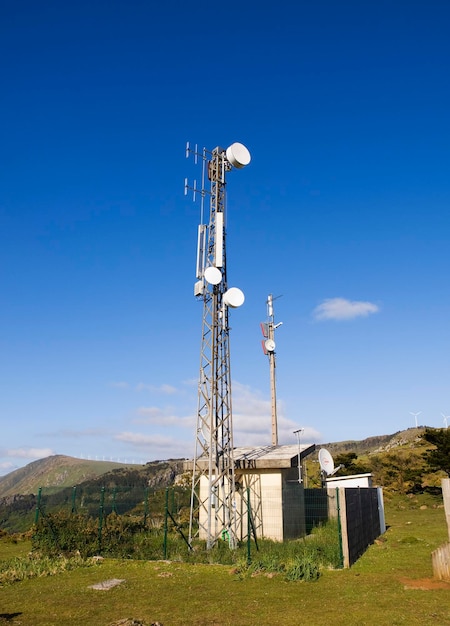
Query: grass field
[391,584]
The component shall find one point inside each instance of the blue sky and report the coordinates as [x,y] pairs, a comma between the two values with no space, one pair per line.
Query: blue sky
[343,212]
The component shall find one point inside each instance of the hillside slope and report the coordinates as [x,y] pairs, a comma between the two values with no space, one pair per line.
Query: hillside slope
[54,472]
[410,437]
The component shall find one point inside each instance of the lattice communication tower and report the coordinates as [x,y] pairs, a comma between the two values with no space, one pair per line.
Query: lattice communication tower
[213,508]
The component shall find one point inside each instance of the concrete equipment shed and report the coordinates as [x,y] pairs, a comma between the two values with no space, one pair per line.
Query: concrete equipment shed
[270,476]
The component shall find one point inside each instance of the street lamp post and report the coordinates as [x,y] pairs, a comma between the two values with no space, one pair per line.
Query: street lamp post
[298,434]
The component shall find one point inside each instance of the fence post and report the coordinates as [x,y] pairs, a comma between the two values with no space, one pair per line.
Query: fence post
[74,493]
[249,528]
[172,503]
[38,505]
[145,506]
[100,519]
[338,507]
[166,515]
[441,556]
[381,510]
[446,497]
[113,508]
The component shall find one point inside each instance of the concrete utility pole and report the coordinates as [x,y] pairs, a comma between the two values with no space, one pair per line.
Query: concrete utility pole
[268,344]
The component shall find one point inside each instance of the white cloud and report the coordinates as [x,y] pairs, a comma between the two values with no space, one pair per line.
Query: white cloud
[286,428]
[139,439]
[190,382]
[119,385]
[250,411]
[6,467]
[165,389]
[30,453]
[157,446]
[77,434]
[162,417]
[252,420]
[252,426]
[343,309]
[151,412]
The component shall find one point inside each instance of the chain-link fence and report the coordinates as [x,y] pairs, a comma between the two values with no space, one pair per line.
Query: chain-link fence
[137,521]
[111,514]
[99,502]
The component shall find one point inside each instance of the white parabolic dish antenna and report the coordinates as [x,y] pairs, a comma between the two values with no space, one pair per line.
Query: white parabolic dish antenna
[234,297]
[213,275]
[238,155]
[326,461]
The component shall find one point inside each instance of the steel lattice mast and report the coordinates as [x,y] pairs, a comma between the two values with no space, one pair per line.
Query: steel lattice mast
[213,510]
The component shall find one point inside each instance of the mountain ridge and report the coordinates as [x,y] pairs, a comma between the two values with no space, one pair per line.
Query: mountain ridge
[54,472]
[60,471]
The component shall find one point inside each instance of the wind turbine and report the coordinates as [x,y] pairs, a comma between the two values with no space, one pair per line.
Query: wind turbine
[446,417]
[415,415]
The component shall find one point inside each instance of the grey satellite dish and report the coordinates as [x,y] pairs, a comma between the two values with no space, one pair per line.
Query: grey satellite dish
[326,461]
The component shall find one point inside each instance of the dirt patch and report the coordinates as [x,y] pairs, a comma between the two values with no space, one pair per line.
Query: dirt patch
[425,584]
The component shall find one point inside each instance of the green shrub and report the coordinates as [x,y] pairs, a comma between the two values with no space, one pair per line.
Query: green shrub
[117,536]
[64,533]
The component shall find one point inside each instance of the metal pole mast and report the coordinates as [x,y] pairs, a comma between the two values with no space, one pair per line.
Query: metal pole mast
[268,330]
[213,508]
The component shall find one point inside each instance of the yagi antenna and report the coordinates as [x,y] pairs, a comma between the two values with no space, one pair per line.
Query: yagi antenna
[189,151]
[204,155]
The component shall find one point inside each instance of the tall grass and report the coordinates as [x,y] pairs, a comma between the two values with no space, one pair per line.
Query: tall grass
[127,537]
[37,565]
[302,559]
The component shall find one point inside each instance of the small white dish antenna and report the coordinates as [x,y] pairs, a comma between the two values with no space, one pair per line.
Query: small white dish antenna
[234,297]
[326,461]
[238,155]
[269,345]
[213,275]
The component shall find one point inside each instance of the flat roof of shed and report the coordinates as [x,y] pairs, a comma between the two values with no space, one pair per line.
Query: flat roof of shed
[263,457]
[268,457]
